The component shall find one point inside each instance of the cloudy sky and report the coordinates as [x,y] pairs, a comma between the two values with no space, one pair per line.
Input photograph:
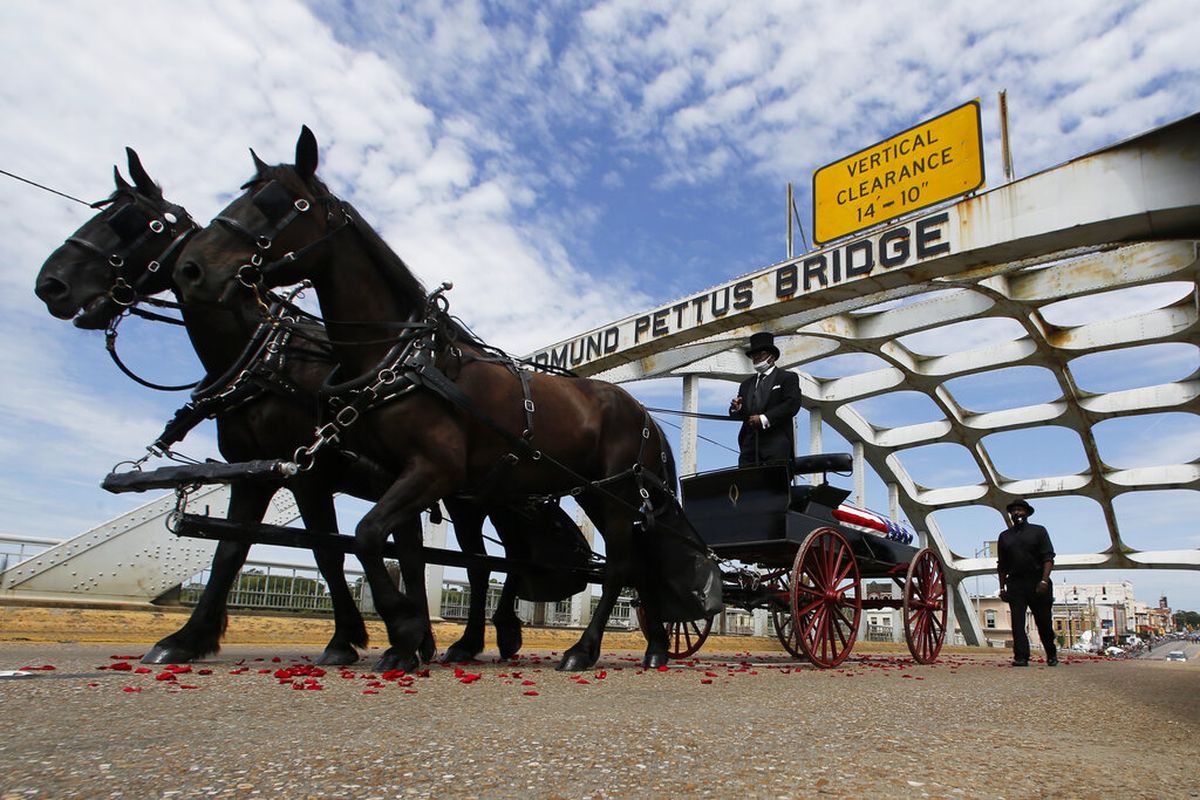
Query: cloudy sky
[564,166]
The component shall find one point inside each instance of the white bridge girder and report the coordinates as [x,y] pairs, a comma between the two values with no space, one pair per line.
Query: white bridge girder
[133,558]
[1125,216]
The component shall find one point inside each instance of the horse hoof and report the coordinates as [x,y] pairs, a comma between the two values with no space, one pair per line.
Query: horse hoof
[338,657]
[509,642]
[458,653]
[390,661]
[575,661]
[167,654]
[428,650]
[654,660]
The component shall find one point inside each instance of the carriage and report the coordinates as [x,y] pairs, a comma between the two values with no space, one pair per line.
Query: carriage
[788,547]
[808,560]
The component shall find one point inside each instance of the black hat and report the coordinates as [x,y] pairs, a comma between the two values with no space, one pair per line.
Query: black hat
[1019,503]
[762,341]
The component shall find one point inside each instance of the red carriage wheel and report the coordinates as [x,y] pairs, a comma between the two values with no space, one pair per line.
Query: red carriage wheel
[925,606]
[684,638]
[826,597]
[781,614]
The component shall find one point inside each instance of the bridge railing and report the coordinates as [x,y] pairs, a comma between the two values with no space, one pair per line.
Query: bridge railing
[15,549]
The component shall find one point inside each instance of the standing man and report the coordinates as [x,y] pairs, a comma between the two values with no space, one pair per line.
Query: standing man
[765,404]
[1024,560]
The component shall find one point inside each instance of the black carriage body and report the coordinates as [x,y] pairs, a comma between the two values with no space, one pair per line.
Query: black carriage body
[757,516]
[804,566]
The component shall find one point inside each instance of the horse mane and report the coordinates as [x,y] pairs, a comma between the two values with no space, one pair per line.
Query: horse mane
[402,279]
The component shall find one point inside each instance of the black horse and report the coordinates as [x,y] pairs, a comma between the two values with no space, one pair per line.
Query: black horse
[126,253]
[457,418]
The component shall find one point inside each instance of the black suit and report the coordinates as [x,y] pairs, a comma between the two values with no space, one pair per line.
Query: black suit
[1022,551]
[778,399]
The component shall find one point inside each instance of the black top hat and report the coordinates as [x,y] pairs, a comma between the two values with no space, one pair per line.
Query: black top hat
[1019,503]
[763,341]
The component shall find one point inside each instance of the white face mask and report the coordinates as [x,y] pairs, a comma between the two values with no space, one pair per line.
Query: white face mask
[762,367]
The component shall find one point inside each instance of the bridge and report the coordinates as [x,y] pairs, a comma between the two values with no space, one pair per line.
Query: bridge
[993,270]
[998,265]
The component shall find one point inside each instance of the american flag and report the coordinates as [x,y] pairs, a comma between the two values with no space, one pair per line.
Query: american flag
[870,522]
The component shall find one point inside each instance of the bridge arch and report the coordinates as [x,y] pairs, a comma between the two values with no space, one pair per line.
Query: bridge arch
[1096,257]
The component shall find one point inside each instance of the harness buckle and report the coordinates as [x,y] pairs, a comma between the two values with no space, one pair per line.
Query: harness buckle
[249,275]
[326,433]
[153,266]
[529,406]
[347,416]
[301,204]
[122,293]
[157,226]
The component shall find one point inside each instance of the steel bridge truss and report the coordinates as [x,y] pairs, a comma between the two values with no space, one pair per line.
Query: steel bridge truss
[1088,230]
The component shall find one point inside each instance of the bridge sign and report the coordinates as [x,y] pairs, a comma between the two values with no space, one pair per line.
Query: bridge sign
[926,164]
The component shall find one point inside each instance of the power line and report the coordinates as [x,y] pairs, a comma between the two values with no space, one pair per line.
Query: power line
[46,188]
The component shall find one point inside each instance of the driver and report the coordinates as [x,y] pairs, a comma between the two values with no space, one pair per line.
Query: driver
[766,403]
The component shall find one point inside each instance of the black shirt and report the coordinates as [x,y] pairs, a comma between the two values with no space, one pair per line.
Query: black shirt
[1023,549]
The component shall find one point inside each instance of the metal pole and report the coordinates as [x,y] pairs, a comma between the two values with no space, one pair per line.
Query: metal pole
[689,428]
[1005,150]
[860,475]
[791,249]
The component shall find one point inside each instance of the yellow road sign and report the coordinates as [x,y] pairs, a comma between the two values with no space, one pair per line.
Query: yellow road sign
[926,164]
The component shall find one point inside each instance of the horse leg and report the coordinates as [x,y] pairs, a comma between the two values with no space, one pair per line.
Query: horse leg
[349,631]
[201,634]
[657,640]
[405,618]
[506,621]
[614,519]
[411,537]
[586,652]
[468,530]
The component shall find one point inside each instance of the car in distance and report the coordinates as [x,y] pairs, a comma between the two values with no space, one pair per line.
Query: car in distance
[1176,655]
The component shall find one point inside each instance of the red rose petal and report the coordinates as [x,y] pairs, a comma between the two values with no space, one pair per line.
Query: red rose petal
[370,691]
[531,694]
[165,676]
[142,670]
[121,666]
[132,689]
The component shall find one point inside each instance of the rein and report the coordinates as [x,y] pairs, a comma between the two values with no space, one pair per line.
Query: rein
[110,344]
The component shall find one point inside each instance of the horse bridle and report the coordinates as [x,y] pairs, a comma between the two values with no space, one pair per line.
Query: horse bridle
[133,234]
[281,209]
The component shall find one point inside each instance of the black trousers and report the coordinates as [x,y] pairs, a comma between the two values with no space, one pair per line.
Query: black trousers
[1022,596]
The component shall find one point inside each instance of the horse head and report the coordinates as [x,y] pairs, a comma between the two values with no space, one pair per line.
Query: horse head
[122,254]
[267,236]
[287,227]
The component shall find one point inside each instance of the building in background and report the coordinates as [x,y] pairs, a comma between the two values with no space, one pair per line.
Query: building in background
[1086,616]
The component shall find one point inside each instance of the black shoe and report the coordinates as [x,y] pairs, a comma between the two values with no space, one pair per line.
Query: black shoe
[1020,662]
[1051,662]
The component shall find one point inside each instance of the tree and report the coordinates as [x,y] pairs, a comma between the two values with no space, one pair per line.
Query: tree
[1186,619]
